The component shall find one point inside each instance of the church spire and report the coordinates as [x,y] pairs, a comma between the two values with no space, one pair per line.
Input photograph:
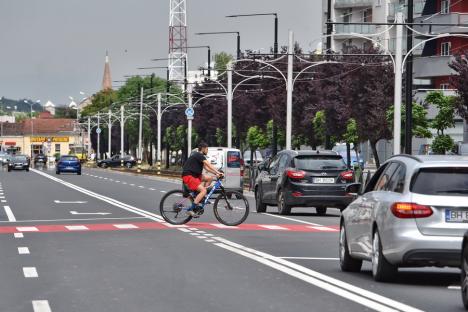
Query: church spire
[106,80]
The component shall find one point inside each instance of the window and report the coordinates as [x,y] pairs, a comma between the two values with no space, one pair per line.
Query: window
[367,16]
[57,148]
[347,16]
[445,6]
[382,183]
[328,162]
[274,164]
[283,163]
[397,182]
[441,181]
[233,159]
[444,86]
[445,48]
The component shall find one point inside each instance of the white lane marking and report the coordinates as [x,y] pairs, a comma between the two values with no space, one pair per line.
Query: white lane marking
[210,240]
[124,182]
[291,219]
[202,237]
[194,234]
[82,219]
[193,229]
[333,285]
[117,181]
[9,213]
[201,232]
[69,202]
[273,227]
[41,306]
[163,191]
[105,178]
[90,213]
[174,225]
[126,226]
[152,189]
[185,230]
[454,287]
[222,226]
[323,228]
[114,202]
[27,228]
[309,258]
[132,184]
[77,227]
[18,235]
[30,272]
[4,201]
[141,186]
[209,234]
[3,197]
[23,251]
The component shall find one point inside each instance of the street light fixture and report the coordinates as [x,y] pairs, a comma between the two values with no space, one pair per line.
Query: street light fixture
[225,32]
[32,124]
[209,56]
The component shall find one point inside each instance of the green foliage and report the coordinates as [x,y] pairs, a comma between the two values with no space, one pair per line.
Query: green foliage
[446,116]
[281,134]
[100,101]
[297,141]
[351,134]
[65,112]
[220,137]
[420,122]
[442,143]
[221,61]
[319,123]
[256,138]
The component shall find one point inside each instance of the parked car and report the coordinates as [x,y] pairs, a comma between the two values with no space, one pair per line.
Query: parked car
[4,158]
[303,179]
[356,159]
[464,270]
[257,157]
[68,163]
[413,212]
[40,159]
[116,160]
[18,162]
[229,161]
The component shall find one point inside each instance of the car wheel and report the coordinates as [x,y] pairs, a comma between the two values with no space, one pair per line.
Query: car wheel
[9,170]
[347,263]
[283,209]
[104,165]
[78,173]
[464,277]
[259,205]
[57,172]
[27,169]
[382,270]
[321,210]
[128,165]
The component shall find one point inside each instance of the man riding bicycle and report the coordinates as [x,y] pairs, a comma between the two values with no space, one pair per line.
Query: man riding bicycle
[194,179]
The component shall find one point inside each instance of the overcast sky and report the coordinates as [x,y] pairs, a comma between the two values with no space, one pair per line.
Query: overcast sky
[52,49]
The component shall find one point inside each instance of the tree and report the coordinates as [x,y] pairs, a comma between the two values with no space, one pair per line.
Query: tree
[319,123]
[256,138]
[460,82]
[444,119]
[221,61]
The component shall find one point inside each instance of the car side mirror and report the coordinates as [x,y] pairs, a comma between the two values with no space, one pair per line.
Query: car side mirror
[353,189]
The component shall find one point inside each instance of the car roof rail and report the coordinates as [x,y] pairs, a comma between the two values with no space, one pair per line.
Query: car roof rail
[407,156]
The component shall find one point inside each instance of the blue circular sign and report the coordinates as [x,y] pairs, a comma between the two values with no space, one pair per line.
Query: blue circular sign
[189,112]
[98,130]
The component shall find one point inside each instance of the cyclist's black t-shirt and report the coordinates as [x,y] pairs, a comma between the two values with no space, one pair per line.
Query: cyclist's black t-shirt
[194,165]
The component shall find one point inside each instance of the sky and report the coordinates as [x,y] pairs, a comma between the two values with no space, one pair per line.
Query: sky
[53,49]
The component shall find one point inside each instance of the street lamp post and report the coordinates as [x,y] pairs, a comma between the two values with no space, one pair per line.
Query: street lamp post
[222,33]
[209,57]
[32,122]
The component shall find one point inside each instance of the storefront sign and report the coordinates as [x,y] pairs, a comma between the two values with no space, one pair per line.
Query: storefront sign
[50,139]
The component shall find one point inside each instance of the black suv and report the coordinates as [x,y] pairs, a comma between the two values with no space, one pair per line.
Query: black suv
[40,159]
[303,179]
[115,161]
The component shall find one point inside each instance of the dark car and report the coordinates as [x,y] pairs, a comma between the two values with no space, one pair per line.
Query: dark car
[40,159]
[116,161]
[464,270]
[18,162]
[303,179]
[68,163]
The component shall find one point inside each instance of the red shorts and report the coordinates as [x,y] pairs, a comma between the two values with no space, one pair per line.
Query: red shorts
[192,182]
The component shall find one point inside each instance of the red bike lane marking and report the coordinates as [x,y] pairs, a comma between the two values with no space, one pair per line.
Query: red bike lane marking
[135,226]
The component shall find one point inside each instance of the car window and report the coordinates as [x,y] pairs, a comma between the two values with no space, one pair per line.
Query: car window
[274,163]
[314,162]
[19,158]
[283,163]
[233,159]
[69,158]
[382,183]
[397,181]
[441,181]
[373,180]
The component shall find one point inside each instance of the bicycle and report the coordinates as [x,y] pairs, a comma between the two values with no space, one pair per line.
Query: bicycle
[230,207]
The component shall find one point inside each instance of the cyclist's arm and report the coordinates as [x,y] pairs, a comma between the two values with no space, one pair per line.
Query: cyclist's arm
[210,168]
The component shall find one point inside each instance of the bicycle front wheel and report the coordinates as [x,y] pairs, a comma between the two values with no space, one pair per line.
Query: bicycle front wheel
[231,208]
[174,206]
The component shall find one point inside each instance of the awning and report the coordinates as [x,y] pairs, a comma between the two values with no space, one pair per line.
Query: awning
[10,143]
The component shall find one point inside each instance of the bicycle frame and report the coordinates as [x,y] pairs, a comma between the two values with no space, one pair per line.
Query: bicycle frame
[217,185]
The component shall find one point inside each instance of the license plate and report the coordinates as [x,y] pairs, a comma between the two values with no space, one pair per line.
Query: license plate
[456,216]
[324,180]
[69,168]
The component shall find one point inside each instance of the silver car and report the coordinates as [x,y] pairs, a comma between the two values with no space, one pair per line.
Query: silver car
[412,213]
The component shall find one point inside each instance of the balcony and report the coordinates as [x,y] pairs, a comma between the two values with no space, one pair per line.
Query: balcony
[343,29]
[341,4]
[395,7]
[452,18]
[432,66]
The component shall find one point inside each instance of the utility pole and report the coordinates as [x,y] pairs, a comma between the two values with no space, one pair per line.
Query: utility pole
[189,121]
[98,130]
[274,129]
[159,158]
[409,84]
[122,128]
[329,50]
[89,137]
[109,145]
[229,105]
[289,90]
[398,84]
[140,128]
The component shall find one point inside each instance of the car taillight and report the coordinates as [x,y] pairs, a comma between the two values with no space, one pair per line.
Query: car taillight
[347,175]
[411,210]
[295,174]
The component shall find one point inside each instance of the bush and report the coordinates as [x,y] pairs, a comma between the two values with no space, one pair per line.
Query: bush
[442,143]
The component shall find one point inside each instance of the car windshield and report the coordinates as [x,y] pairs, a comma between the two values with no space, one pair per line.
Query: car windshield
[313,162]
[19,158]
[441,181]
[69,158]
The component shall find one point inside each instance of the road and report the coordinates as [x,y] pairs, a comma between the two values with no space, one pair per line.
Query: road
[96,243]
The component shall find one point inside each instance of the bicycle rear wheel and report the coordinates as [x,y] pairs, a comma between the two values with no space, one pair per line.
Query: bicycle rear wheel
[231,208]
[173,207]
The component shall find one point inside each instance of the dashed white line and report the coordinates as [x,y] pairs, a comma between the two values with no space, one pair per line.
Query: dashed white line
[30,272]
[77,227]
[194,234]
[141,186]
[185,230]
[18,235]
[9,213]
[23,251]
[4,201]
[117,181]
[273,227]
[152,189]
[309,258]
[291,219]
[126,226]
[41,306]
[27,229]
[163,191]
[132,184]
[454,287]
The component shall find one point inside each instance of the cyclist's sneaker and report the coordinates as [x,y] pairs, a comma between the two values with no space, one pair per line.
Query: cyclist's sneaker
[195,210]
[192,213]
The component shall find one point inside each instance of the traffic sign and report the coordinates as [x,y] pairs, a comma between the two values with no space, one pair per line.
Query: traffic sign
[189,112]
[98,130]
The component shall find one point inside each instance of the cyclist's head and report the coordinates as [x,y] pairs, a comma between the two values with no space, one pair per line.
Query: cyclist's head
[203,147]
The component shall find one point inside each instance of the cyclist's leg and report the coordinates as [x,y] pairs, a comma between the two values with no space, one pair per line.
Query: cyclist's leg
[207,180]
[201,189]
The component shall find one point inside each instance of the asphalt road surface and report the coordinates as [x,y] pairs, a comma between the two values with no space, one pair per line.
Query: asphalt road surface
[97,243]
